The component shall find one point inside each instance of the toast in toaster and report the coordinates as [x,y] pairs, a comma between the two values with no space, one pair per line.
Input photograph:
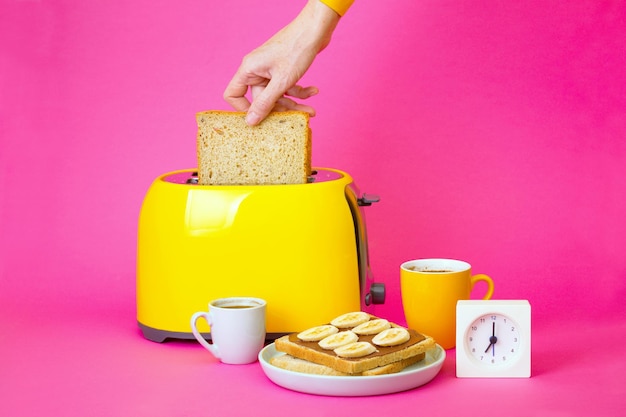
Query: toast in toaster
[365,355]
[276,151]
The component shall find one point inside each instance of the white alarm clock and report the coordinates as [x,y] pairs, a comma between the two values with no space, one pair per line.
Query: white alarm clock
[493,339]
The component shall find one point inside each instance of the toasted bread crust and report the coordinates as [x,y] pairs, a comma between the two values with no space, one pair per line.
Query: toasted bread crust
[395,367]
[300,365]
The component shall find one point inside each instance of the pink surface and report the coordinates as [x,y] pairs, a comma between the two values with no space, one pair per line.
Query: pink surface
[493,132]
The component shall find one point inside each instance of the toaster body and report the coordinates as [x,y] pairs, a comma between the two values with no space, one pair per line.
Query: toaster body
[303,248]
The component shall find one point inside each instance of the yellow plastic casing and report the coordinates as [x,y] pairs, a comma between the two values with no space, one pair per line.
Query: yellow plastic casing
[340,6]
[293,245]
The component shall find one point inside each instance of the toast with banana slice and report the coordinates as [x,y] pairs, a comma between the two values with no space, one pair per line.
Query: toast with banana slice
[354,343]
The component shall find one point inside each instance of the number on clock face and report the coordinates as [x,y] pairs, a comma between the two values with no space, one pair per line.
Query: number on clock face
[493,339]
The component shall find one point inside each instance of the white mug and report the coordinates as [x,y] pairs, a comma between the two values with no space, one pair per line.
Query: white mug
[237,329]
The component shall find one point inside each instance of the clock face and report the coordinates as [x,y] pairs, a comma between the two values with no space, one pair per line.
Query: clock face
[493,340]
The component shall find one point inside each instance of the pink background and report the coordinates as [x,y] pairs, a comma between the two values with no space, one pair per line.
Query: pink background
[494,132]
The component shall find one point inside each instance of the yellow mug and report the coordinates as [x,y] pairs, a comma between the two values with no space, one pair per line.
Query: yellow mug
[430,289]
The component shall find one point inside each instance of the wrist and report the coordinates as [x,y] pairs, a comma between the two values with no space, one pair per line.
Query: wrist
[339,6]
[320,21]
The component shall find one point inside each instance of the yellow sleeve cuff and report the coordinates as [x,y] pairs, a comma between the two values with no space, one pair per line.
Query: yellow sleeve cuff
[340,6]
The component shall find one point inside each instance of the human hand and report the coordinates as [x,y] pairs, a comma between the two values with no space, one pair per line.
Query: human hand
[271,72]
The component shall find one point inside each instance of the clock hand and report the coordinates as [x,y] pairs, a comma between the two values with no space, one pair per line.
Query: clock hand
[492,340]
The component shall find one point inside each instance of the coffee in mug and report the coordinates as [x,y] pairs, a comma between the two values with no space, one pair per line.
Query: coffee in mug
[237,328]
[430,289]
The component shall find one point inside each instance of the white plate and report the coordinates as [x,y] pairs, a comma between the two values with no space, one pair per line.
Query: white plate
[353,386]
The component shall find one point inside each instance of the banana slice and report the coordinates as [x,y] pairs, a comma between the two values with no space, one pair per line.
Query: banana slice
[392,337]
[317,333]
[350,319]
[355,350]
[338,339]
[372,327]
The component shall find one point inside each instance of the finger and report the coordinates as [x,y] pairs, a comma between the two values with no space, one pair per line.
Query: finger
[302,92]
[236,99]
[285,103]
[235,93]
[255,90]
[264,102]
[305,108]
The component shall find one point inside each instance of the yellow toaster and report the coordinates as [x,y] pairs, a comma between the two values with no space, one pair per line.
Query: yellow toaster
[302,247]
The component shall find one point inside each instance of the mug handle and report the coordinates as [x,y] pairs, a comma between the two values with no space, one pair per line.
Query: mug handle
[210,347]
[487,279]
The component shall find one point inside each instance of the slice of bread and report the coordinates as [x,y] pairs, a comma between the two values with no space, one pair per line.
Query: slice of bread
[300,365]
[312,352]
[276,151]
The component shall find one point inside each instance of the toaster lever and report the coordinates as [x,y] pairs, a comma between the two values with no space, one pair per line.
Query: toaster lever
[368,199]
[376,294]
